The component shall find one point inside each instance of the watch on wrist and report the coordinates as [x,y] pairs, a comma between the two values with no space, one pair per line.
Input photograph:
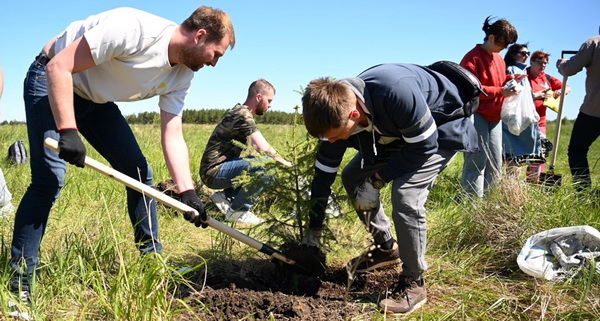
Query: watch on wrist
[377,183]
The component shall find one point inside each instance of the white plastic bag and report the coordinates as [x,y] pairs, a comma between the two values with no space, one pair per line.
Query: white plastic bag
[5,195]
[518,111]
[537,258]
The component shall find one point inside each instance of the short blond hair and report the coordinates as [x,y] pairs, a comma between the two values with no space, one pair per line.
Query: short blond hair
[216,23]
[326,104]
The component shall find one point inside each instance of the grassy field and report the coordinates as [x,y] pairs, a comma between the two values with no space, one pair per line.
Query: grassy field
[91,270]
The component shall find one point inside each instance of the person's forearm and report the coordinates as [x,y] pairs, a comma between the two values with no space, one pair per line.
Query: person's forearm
[275,155]
[60,94]
[175,151]
[178,165]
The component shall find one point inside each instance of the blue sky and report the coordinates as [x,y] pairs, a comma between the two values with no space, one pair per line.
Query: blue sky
[290,43]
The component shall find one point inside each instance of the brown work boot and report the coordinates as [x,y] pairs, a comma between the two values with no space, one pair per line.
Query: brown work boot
[408,296]
[374,258]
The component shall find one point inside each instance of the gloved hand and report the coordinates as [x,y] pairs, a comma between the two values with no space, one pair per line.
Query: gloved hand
[70,147]
[312,237]
[190,199]
[366,197]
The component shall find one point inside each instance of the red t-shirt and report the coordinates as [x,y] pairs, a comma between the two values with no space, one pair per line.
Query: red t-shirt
[491,71]
[540,83]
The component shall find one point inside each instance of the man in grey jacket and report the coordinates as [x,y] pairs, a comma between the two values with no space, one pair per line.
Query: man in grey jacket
[390,113]
[587,125]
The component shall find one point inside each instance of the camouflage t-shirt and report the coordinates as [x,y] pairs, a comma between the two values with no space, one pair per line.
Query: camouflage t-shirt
[236,126]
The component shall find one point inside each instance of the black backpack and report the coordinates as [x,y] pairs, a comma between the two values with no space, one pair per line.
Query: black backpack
[468,85]
[17,154]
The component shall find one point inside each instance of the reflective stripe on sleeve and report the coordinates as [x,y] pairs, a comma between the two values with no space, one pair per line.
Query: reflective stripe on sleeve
[411,140]
[325,168]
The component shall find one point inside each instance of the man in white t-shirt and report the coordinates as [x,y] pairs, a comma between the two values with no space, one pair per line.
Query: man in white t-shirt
[122,54]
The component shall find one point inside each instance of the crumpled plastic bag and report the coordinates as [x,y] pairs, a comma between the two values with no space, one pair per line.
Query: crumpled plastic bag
[518,111]
[559,253]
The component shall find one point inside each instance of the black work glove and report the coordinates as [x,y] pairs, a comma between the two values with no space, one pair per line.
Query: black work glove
[190,199]
[70,147]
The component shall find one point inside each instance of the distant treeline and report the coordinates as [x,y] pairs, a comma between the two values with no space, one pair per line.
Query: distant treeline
[213,116]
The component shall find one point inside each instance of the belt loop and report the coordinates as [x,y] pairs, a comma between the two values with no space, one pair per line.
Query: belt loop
[42,59]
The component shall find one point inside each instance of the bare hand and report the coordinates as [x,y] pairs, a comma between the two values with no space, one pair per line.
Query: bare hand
[542,94]
[557,94]
[507,92]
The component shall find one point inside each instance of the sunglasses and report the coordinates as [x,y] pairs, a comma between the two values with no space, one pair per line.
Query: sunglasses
[524,53]
[543,63]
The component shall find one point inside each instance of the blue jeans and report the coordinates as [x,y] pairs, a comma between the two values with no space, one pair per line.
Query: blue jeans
[107,131]
[241,196]
[409,194]
[585,131]
[481,169]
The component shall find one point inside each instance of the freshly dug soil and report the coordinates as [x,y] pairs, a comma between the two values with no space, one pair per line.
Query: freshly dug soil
[261,290]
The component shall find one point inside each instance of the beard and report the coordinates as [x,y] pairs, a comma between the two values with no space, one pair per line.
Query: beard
[192,58]
[261,109]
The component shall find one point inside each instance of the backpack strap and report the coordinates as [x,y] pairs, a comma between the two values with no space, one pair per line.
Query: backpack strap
[468,85]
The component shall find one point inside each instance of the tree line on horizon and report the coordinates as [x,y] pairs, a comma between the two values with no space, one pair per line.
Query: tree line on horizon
[211,116]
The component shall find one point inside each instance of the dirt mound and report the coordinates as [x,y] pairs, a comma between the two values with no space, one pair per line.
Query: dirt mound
[261,290]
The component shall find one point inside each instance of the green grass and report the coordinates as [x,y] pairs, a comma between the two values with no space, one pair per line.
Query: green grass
[91,270]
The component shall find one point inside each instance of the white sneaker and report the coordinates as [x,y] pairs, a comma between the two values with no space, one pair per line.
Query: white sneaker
[19,310]
[221,201]
[246,217]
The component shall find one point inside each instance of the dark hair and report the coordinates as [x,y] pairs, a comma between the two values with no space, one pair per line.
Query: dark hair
[502,30]
[513,50]
[325,105]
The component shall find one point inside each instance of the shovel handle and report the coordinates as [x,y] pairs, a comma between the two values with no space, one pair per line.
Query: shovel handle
[171,202]
[560,111]
[558,122]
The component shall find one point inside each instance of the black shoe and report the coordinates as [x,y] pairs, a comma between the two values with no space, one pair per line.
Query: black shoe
[408,295]
[374,258]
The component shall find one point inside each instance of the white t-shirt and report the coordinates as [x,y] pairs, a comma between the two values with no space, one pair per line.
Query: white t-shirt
[130,49]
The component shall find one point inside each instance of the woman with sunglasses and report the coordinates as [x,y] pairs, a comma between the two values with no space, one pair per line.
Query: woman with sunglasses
[543,86]
[481,169]
[524,148]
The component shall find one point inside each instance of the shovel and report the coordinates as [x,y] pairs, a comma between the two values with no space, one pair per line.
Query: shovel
[303,263]
[550,178]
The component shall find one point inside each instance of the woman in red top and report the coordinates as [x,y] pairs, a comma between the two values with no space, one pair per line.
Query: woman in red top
[543,86]
[481,169]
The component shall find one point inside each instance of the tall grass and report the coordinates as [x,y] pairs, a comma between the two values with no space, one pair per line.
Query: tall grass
[91,269]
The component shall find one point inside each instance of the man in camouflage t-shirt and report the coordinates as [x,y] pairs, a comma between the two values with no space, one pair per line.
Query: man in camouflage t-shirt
[222,160]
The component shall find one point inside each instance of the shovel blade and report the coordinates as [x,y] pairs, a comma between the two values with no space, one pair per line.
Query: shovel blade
[309,260]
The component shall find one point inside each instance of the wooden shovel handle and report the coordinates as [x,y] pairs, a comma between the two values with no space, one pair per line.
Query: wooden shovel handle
[171,202]
[560,111]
